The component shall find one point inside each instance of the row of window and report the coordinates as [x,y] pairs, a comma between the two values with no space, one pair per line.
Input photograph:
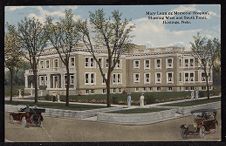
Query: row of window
[158,63]
[91,63]
[169,63]
[145,89]
[114,90]
[55,80]
[46,63]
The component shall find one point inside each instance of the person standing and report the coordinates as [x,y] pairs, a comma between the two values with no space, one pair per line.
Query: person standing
[142,100]
[129,100]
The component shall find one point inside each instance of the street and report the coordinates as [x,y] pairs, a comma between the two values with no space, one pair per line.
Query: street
[72,130]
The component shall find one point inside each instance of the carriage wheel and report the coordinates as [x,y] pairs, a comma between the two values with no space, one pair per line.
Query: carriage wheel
[11,119]
[202,131]
[182,132]
[24,122]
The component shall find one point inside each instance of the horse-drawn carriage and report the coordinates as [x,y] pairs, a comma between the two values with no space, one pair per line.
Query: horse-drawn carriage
[27,116]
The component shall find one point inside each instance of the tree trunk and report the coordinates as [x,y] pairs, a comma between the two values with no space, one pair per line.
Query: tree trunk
[11,85]
[108,93]
[207,86]
[67,86]
[35,84]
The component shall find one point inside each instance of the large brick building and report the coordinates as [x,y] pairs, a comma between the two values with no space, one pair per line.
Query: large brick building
[141,69]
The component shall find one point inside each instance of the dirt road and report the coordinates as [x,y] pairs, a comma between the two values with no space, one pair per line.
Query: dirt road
[71,130]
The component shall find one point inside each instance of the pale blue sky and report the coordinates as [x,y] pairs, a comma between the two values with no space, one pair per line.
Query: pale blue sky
[147,32]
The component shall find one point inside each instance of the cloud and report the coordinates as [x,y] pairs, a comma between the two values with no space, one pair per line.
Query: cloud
[14,8]
[155,35]
[53,11]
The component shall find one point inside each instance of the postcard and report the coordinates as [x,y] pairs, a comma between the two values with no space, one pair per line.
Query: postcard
[108,73]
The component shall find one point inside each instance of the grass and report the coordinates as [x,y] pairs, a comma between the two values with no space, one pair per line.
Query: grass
[149,97]
[139,110]
[194,102]
[15,90]
[77,107]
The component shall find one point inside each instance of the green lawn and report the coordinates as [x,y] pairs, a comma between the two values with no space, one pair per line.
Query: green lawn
[15,90]
[194,102]
[149,97]
[77,107]
[139,110]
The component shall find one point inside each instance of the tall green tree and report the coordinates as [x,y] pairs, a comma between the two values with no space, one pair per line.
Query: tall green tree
[113,34]
[12,54]
[33,40]
[206,50]
[63,37]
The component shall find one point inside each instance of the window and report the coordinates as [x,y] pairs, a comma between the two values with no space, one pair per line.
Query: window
[170,77]
[41,64]
[186,62]
[147,64]
[47,63]
[147,78]
[191,62]
[91,62]
[92,91]
[203,77]
[191,77]
[157,77]
[90,78]
[56,63]
[87,78]
[170,88]
[192,88]
[157,63]
[180,76]
[114,78]
[186,77]
[42,80]
[158,88]
[106,63]
[203,87]
[72,61]
[71,79]
[137,89]
[119,90]
[169,63]
[119,78]
[136,63]
[103,81]
[150,88]
[86,62]
[118,64]
[87,91]
[104,91]
[100,61]
[186,88]
[114,90]
[180,62]
[136,77]
[144,89]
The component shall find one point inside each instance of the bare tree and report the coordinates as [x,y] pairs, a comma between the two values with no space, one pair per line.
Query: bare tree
[113,34]
[12,54]
[64,37]
[32,36]
[205,50]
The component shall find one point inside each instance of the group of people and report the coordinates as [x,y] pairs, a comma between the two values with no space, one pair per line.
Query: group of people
[141,100]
